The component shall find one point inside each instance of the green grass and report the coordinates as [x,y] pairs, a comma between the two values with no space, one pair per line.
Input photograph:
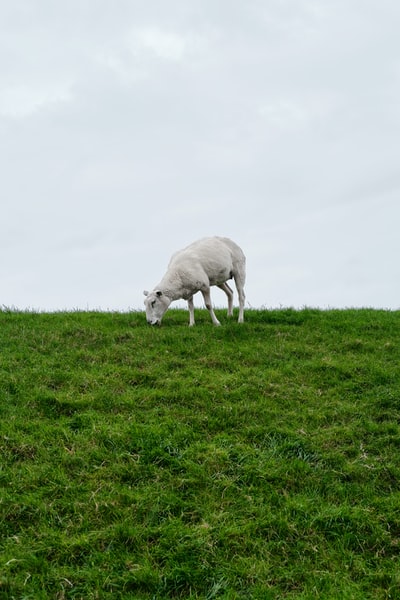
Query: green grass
[254,461]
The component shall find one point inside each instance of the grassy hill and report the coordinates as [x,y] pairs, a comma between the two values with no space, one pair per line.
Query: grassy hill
[254,461]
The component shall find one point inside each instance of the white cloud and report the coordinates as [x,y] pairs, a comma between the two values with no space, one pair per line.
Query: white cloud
[141,53]
[302,110]
[23,100]
[284,114]
[162,44]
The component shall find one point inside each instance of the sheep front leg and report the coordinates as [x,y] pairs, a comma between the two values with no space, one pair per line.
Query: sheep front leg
[191,311]
[207,302]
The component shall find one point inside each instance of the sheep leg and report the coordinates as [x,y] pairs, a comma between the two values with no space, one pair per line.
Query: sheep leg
[191,311]
[207,302]
[229,293]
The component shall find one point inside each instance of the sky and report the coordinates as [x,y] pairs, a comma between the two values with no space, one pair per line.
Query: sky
[129,129]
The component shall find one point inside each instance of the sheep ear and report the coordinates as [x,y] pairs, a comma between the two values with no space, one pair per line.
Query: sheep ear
[145,292]
[159,293]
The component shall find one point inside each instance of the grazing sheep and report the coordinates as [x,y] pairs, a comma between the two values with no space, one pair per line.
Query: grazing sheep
[209,261]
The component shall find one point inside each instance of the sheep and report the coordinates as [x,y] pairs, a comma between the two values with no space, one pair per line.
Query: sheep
[206,262]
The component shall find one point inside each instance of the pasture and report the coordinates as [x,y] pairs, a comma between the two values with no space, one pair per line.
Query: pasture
[253,461]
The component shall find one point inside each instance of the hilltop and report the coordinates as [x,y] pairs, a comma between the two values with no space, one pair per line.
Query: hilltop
[248,461]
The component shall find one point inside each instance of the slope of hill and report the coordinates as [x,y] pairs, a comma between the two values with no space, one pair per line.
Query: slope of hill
[248,461]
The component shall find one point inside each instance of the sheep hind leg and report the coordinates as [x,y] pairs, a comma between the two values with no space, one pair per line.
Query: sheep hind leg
[229,293]
[242,297]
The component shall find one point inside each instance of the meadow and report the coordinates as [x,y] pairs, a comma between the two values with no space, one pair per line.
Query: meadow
[254,461]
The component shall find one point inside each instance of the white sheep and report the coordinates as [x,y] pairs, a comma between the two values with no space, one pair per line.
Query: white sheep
[209,261]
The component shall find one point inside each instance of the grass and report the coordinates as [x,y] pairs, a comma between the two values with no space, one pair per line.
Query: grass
[254,461]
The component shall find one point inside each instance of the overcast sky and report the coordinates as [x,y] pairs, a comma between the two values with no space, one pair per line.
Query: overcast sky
[129,129]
